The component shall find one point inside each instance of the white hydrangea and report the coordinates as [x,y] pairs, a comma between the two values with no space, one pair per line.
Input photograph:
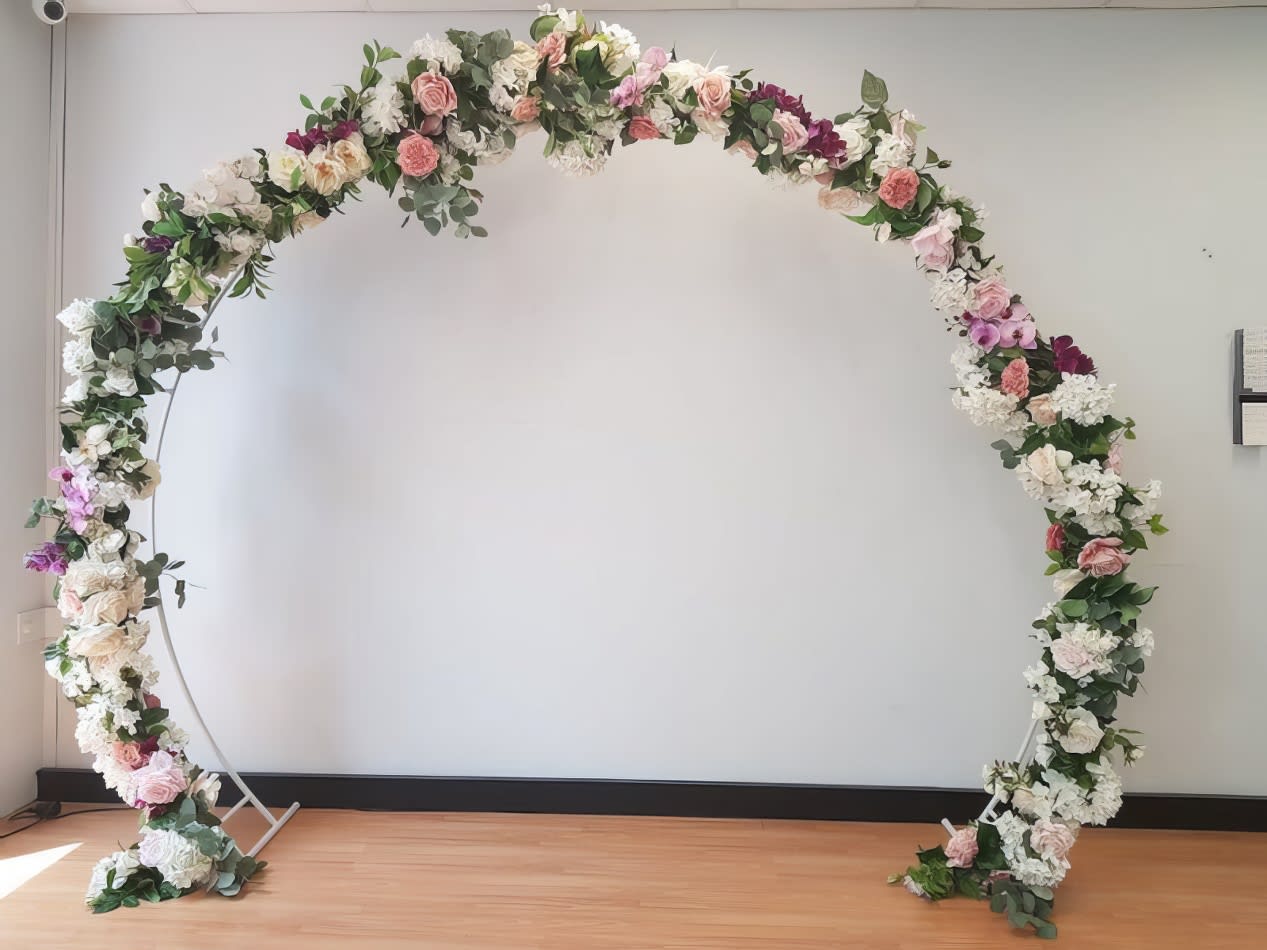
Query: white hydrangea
[891,152]
[78,316]
[1143,639]
[78,359]
[572,159]
[949,293]
[665,119]
[383,111]
[1092,493]
[1083,398]
[437,51]
[1044,686]
[966,359]
[1139,515]
[175,857]
[986,406]
[623,48]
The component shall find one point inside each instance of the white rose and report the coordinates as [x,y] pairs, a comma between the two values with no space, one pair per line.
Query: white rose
[149,207]
[77,391]
[120,380]
[856,134]
[680,77]
[122,863]
[282,164]
[1083,733]
[94,442]
[96,640]
[1066,580]
[248,166]
[175,857]
[207,783]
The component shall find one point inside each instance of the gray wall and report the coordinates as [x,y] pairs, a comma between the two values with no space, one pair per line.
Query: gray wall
[662,479]
[24,72]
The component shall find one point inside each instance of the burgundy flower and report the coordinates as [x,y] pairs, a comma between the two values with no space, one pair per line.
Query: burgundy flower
[1069,358]
[344,129]
[157,244]
[149,323]
[825,142]
[307,141]
[782,100]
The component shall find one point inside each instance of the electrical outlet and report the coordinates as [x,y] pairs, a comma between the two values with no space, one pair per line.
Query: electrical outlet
[34,625]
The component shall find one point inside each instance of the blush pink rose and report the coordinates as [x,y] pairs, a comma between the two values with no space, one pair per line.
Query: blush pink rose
[1055,536]
[69,605]
[434,94]
[553,48]
[159,781]
[643,129]
[713,92]
[1052,839]
[1015,379]
[795,137]
[899,187]
[1072,658]
[417,155]
[841,200]
[1103,557]
[991,298]
[1041,411]
[934,245]
[962,848]
[526,109]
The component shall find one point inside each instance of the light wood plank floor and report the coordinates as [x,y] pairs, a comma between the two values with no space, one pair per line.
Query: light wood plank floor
[342,879]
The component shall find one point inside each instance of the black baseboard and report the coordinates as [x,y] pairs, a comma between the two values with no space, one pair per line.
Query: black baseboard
[675,799]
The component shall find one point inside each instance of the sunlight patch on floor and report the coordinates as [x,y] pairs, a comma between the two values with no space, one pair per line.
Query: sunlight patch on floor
[16,871]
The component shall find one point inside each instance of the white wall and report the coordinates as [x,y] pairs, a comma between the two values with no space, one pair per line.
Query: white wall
[24,66]
[662,480]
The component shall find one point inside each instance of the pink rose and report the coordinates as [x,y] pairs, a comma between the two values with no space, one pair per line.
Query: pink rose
[962,847]
[553,48]
[1055,536]
[713,92]
[746,149]
[1102,557]
[934,245]
[642,128]
[417,155]
[991,298]
[841,200]
[159,781]
[129,755]
[1015,379]
[795,137]
[434,94]
[1052,839]
[525,109]
[1073,659]
[1041,411]
[899,187]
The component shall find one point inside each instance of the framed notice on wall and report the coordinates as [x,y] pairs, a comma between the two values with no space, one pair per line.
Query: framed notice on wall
[1249,388]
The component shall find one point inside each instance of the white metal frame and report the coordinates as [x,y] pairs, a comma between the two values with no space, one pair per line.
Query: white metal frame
[275,823]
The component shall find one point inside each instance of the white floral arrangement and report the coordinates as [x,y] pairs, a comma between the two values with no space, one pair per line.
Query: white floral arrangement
[465,100]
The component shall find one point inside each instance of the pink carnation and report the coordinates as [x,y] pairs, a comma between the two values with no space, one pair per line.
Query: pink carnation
[899,187]
[1102,557]
[962,847]
[417,155]
[553,48]
[1015,380]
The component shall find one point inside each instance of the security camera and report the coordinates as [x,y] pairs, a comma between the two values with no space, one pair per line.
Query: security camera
[49,11]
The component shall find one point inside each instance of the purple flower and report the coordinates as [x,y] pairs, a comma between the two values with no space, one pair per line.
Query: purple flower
[150,324]
[307,141]
[157,244]
[48,558]
[1018,333]
[78,490]
[983,333]
[1069,358]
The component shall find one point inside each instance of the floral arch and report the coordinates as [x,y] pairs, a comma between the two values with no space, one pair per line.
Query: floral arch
[467,100]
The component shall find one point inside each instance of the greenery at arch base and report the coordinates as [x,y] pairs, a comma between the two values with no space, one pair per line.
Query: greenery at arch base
[419,126]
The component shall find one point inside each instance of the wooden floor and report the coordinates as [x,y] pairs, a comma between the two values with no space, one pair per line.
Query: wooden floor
[342,879]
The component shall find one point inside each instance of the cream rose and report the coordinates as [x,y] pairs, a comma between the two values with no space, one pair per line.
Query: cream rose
[323,172]
[109,607]
[1052,839]
[87,576]
[1047,464]
[841,200]
[351,152]
[97,640]
[282,165]
[1041,411]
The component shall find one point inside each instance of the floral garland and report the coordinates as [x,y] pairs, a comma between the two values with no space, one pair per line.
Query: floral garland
[466,100]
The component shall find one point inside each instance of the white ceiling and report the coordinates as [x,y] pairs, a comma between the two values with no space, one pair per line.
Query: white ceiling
[308,6]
